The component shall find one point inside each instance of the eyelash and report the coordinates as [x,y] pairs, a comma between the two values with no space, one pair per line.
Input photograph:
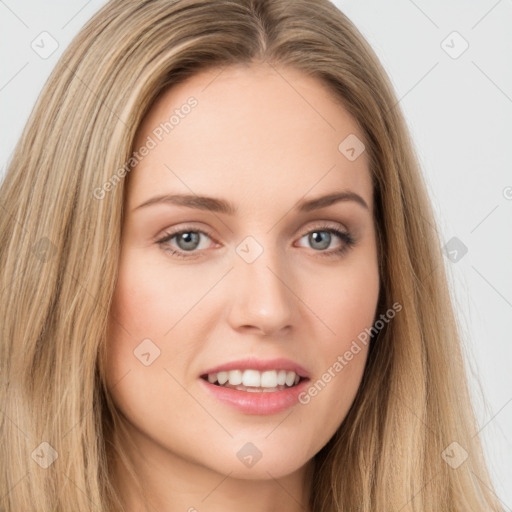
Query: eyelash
[346,237]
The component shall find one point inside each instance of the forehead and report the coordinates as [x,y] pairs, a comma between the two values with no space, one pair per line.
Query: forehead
[255,131]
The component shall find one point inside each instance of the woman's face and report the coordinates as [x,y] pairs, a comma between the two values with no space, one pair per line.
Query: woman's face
[262,279]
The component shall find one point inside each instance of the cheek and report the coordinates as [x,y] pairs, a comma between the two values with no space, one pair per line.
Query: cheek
[137,353]
[346,302]
[347,306]
[151,305]
[135,317]
[149,300]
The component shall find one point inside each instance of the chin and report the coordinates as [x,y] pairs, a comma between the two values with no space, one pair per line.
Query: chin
[250,464]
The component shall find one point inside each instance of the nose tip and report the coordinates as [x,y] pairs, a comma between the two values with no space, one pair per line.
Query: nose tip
[262,299]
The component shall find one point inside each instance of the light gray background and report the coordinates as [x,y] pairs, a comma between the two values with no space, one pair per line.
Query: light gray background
[459,110]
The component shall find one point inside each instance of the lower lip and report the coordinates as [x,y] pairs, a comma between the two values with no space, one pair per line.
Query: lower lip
[257,402]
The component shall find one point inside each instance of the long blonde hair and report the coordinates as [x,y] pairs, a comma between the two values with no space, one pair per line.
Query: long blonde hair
[60,242]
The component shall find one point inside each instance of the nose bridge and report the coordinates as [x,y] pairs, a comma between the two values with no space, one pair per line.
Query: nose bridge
[261,297]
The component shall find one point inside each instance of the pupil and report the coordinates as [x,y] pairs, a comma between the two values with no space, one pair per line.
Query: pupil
[318,235]
[190,239]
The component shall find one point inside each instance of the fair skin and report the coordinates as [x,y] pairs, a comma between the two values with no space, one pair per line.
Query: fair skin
[264,146]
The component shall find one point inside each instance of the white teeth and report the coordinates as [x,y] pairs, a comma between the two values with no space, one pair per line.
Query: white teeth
[235,377]
[222,377]
[290,378]
[269,379]
[251,378]
[281,378]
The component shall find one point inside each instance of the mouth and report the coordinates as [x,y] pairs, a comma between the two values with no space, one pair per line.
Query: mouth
[255,381]
[255,392]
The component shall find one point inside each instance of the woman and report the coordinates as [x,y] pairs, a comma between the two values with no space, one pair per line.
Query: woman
[173,338]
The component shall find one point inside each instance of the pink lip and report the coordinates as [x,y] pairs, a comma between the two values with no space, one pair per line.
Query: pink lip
[257,403]
[261,365]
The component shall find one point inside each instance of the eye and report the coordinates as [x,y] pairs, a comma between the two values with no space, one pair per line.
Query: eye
[321,237]
[188,240]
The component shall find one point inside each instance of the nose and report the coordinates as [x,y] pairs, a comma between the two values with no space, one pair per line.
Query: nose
[262,295]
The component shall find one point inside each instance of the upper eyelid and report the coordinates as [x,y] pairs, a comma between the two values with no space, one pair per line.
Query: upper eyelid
[323,224]
[172,233]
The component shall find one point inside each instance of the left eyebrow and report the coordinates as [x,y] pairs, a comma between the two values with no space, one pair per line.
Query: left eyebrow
[222,206]
[324,201]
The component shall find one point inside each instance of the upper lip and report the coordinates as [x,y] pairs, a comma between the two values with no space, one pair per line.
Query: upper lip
[252,363]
